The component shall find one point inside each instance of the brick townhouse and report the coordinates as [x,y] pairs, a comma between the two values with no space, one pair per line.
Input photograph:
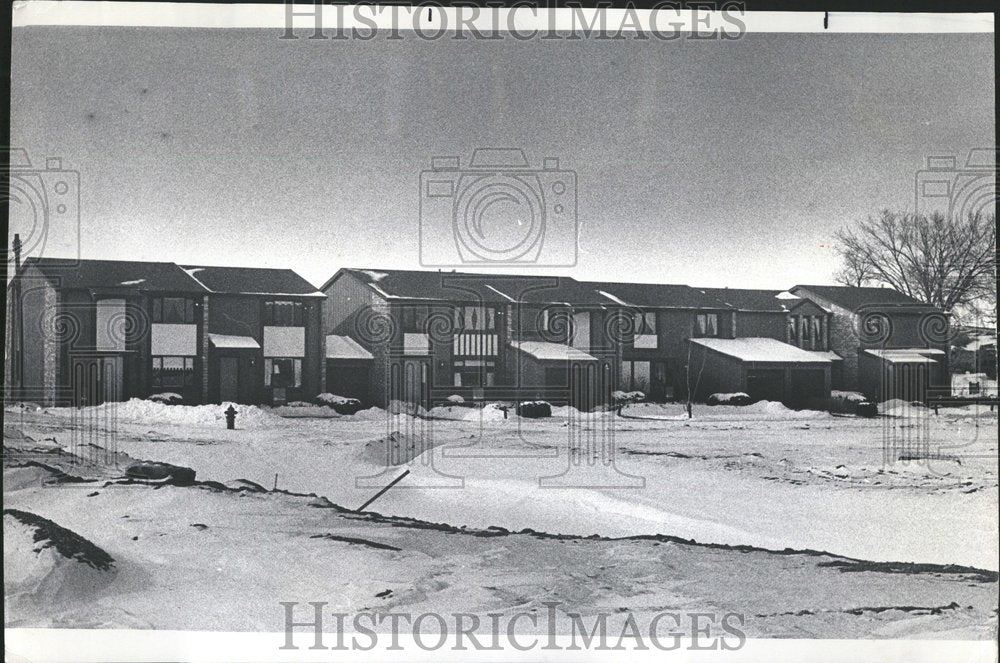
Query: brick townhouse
[90,331]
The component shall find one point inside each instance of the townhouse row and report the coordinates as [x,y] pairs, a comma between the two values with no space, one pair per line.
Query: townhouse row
[84,332]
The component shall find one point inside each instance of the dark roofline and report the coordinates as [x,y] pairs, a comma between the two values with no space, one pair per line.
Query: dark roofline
[912,304]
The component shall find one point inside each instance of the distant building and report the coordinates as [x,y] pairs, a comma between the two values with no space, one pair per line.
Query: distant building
[892,345]
[89,331]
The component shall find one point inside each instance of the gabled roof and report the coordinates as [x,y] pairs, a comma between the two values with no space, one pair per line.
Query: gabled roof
[471,287]
[745,299]
[854,298]
[656,295]
[252,281]
[116,275]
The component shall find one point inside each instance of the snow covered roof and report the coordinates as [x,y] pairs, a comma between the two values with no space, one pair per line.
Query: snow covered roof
[551,351]
[233,342]
[826,354]
[906,355]
[982,341]
[345,347]
[759,349]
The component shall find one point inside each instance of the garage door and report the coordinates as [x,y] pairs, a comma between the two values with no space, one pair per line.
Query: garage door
[766,384]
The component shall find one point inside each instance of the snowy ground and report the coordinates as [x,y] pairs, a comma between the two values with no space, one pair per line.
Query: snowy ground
[757,476]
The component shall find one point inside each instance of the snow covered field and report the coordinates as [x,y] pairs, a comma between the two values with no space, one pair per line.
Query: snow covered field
[907,487]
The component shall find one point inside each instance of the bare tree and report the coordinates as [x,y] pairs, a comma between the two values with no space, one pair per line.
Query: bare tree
[945,262]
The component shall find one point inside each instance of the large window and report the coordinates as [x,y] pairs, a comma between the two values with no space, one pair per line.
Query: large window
[283,372]
[635,376]
[283,313]
[474,373]
[793,330]
[707,324]
[173,372]
[173,310]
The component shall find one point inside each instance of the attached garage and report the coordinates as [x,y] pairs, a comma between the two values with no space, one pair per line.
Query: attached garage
[764,368]
[348,368]
[903,373]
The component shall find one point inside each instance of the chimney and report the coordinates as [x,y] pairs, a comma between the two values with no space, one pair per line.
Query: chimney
[17,253]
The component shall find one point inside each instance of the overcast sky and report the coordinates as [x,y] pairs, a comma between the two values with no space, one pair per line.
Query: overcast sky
[703,162]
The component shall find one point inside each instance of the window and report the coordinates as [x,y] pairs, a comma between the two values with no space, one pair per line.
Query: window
[793,329]
[173,310]
[645,330]
[474,373]
[414,319]
[635,376]
[817,330]
[475,318]
[173,372]
[707,324]
[805,331]
[282,313]
[283,372]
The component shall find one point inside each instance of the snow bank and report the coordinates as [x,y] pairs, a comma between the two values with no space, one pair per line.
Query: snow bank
[152,413]
[778,410]
[490,413]
[45,564]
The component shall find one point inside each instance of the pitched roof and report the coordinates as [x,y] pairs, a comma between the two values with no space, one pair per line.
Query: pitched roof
[656,295]
[545,351]
[116,274]
[745,299]
[854,298]
[759,349]
[252,281]
[471,287]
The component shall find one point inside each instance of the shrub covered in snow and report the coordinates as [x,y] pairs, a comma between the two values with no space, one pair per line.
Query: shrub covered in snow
[165,472]
[534,409]
[625,397]
[851,402]
[340,404]
[455,399]
[167,398]
[737,398]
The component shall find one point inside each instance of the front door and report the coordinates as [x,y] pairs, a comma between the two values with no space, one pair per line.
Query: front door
[411,382]
[97,379]
[229,379]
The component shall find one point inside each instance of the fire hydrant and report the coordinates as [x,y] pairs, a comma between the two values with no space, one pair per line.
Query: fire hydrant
[231,417]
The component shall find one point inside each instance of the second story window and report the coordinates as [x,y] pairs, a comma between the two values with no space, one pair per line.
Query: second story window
[283,313]
[475,318]
[707,324]
[173,310]
[414,319]
[645,330]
